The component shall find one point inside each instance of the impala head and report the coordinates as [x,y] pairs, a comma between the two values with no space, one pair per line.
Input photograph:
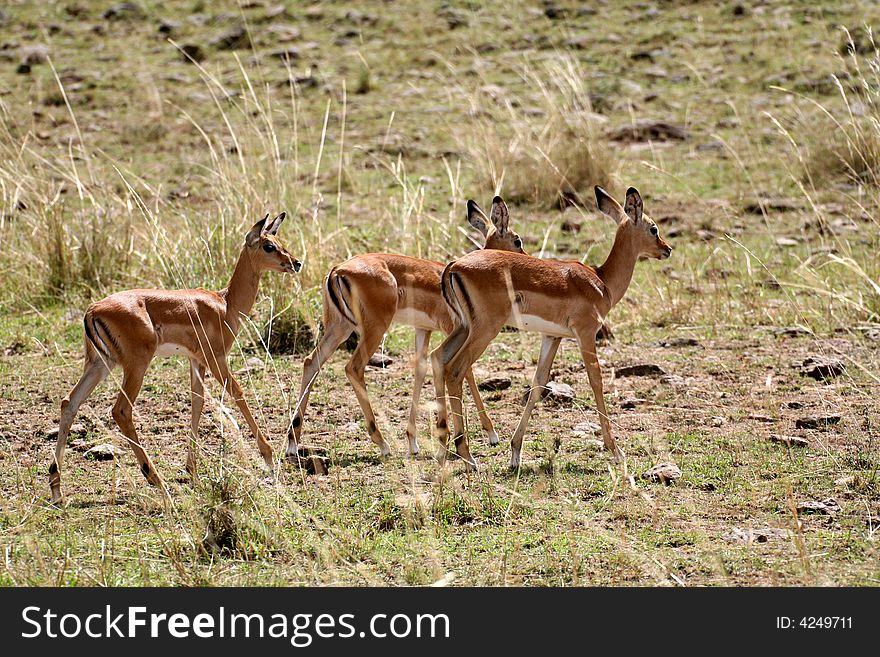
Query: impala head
[267,251]
[495,228]
[639,227]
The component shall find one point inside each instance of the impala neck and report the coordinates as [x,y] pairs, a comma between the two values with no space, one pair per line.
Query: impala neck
[241,292]
[617,270]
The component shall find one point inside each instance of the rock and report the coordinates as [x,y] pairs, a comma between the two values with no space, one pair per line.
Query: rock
[757,417]
[313,460]
[791,441]
[786,241]
[252,363]
[717,421]
[124,11]
[284,32]
[708,146]
[75,429]
[762,204]
[235,38]
[828,506]
[665,473]
[286,54]
[646,369]
[192,52]
[557,393]
[842,482]
[495,383]
[380,360]
[749,536]
[32,55]
[555,13]
[673,380]
[629,404]
[679,342]
[104,452]
[815,422]
[646,130]
[790,331]
[168,26]
[579,42]
[586,430]
[822,369]
[454,18]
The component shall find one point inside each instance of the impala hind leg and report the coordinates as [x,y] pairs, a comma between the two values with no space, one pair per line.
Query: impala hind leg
[549,346]
[440,358]
[220,371]
[485,420]
[197,399]
[94,372]
[370,339]
[423,339]
[132,379]
[334,335]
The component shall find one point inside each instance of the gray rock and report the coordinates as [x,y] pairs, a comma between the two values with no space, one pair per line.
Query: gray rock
[629,404]
[235,38]
[124,11]
[647,130]
[749,536]
[104,452]
[679,342]
[791,441]
[168,26]
[75,430]
[557,393]
[645,369]
[822,369]
[36,54]
[586,430]
[665,473]
[828,506]
[380,360]
[816,422]
[494,383]
[192,52]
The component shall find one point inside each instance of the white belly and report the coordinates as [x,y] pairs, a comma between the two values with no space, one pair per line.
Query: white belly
[539,325]
[167,349]
[415,318]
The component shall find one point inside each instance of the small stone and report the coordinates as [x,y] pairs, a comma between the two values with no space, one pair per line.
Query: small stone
[791,441]
[104,452]
[252,363]
[192,52]
[586,430]
[168,26]
[235,38]
[828,506]
[665,473]
[749,536]
[679,342]
[557,393]
[815,422]
[629,404]
[495,383]
[123,11]
[673,380]
[75,429]
[843,482]
[786,241]
[822,369]
[36,54]
[717,421]
[646,369]
[286,55]
[380,360]
[647,130]
[284,32]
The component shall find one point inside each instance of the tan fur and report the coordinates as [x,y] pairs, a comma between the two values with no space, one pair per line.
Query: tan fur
[367,294]
[131,328]
[491,289]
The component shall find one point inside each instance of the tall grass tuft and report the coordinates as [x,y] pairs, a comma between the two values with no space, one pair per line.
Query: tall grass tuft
[544,149]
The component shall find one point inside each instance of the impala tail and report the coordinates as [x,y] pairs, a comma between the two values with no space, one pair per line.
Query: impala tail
[339,292]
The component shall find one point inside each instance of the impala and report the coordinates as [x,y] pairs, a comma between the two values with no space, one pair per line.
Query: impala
[366,294]
[132,328]
[559,299]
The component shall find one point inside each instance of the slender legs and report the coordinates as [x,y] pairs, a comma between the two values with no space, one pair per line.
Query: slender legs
[370,339]
[587,342]
[423,338]
[197,399]
[94,372]
[549,346]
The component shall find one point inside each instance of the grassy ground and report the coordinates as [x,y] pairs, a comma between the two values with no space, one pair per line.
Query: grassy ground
[373,132]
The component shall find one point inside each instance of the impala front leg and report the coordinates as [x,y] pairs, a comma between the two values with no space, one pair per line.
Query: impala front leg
[220,370]
[549,346]
[587,341]
[423,339]
[197,399]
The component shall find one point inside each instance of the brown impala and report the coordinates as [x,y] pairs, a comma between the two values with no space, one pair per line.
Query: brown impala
[132,328]
[367,293]
[560,299]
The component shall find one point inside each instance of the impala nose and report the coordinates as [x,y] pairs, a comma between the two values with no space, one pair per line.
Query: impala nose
[297,265]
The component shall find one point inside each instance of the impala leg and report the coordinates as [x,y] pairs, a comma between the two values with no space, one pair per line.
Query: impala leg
[220,370]
[440,359]
[197,399]
[421,365]
[485,420]
[370,339]
[454,388]
[94,372]
[587,342]
[132,379]
[334,335]
[549,346]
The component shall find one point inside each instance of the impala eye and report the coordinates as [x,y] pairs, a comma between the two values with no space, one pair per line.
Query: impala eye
[268,247]
[654,230]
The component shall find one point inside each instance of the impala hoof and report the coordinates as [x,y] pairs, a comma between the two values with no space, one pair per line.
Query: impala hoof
[493,437]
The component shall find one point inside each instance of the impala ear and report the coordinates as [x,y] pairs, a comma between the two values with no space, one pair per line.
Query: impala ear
[253,235]
[633,205]
[607,204]
[272,227]
[500,214]
[477,218]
